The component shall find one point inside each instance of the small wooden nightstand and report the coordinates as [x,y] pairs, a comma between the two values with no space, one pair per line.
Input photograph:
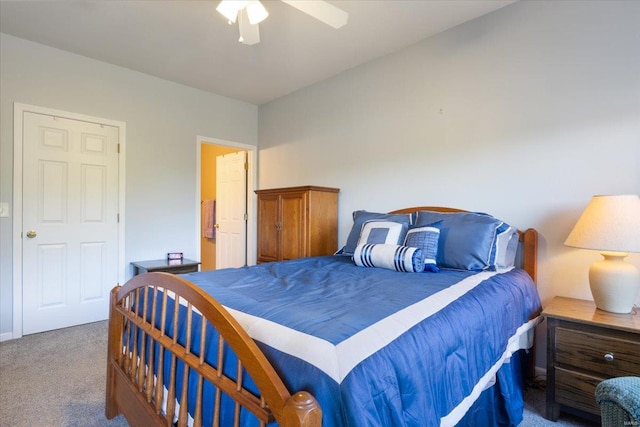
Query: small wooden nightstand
[586,345]
[185,266]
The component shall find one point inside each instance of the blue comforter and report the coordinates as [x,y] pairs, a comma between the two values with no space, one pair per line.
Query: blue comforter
[378,347]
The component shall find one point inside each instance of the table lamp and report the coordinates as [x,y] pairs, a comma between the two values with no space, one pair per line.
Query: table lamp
[611,224]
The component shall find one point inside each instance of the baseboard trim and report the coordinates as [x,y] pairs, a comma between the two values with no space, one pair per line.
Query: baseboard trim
[6,336]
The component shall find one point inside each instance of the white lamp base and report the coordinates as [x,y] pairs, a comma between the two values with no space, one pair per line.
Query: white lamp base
[614,283]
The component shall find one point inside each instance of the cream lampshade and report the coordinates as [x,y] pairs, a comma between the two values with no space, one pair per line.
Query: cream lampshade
[611,224]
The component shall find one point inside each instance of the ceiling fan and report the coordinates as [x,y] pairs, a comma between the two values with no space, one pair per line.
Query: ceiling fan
[249,13]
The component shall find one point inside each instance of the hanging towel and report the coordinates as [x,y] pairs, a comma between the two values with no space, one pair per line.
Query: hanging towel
[209,216]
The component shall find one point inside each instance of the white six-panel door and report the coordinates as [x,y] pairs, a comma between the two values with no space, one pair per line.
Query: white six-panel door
[70,221]
[231,210]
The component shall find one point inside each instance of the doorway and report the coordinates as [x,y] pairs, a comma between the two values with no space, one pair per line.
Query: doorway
[68,195]
[209,150]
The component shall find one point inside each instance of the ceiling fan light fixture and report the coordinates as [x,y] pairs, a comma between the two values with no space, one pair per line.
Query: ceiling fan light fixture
[256,12]
[249,34]
[249,13]
[230,8]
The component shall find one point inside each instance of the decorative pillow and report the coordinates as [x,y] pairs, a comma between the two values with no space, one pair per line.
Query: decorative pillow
[471,241]
[506,246]
[425,238]
[382,232]
[360,217]
[392,257]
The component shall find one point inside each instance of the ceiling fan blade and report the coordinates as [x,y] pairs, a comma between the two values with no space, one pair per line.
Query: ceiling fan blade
[249,34]
[322,11]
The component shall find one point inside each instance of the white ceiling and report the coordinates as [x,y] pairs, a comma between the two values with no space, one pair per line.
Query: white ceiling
[190,43]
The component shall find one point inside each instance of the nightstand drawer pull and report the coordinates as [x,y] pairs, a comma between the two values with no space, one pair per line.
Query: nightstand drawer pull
[608,357]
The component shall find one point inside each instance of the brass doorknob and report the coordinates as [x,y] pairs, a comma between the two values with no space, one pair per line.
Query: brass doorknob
[31,234]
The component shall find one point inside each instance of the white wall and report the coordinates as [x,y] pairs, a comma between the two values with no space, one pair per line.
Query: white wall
[524,113]
[163,120]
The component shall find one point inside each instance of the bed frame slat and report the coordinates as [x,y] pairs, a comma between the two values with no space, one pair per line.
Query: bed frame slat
[184,405]
[171,394]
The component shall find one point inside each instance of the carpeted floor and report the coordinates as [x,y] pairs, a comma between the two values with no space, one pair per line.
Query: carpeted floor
[57,379]
[534,397]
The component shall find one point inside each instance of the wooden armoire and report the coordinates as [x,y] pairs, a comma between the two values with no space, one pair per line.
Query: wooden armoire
[297,222]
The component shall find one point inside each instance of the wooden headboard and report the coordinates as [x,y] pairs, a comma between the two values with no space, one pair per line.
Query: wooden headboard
[528,249]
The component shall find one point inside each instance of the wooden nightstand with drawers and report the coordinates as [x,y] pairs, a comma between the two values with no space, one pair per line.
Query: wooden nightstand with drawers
[586,345]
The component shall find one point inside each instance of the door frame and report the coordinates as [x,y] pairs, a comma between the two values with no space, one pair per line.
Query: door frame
[18,113]
[252,181]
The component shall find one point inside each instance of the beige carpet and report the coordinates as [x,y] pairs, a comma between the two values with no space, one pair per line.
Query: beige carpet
[57,379]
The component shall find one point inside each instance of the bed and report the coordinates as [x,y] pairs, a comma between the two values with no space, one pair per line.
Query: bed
[338,340]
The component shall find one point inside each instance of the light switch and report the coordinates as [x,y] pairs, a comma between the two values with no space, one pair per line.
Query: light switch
[4,210]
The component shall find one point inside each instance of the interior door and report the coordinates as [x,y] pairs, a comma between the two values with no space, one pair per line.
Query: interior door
[70,220]
[231,210]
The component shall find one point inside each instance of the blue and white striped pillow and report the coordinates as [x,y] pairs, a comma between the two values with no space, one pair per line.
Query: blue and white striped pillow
[426,238]
[392,257]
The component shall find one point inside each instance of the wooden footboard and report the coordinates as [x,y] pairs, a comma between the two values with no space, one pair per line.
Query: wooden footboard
[144,381]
